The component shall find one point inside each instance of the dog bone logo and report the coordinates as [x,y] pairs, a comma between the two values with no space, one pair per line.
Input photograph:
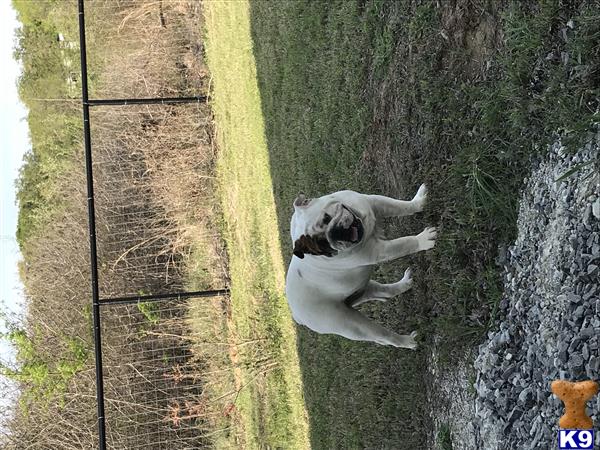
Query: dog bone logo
[575,396]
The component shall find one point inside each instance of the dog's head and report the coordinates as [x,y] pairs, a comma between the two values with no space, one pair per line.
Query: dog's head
[324,226]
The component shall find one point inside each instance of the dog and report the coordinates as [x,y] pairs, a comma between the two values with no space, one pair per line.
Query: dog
[337,242]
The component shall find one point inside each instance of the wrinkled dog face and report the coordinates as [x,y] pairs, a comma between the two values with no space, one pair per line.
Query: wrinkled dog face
[324,226]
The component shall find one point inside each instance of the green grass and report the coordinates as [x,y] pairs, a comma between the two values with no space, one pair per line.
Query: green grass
[381,96]
[444,438]
[313,66]
[270,402]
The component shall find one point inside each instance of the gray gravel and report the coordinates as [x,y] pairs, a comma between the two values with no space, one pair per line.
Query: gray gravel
[549,325]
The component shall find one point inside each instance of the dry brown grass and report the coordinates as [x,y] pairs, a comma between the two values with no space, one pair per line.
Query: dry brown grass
[157,230]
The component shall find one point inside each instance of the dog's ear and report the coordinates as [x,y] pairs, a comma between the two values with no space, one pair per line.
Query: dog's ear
[301,200]
[313,246]
[299,254]
[299,247]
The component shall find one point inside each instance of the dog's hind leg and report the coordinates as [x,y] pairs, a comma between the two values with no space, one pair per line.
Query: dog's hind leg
[382,292]
[351,324]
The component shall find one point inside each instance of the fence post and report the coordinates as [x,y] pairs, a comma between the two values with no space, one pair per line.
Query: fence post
[92,230]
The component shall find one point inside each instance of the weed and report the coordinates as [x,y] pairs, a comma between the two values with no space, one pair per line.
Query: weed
[150,311]
[444,437]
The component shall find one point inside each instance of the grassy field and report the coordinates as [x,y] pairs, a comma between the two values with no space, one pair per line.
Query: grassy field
[380,97]
[270,404]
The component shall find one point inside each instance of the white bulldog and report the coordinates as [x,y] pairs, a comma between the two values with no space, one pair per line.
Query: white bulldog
[336,245]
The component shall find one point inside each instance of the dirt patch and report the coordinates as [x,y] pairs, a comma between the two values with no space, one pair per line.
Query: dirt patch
[460,41]
[452,403]
[474,30]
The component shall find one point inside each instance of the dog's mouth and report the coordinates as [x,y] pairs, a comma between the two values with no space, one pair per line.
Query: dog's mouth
[353,233]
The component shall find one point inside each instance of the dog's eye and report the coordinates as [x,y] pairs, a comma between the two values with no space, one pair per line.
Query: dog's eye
[326,219]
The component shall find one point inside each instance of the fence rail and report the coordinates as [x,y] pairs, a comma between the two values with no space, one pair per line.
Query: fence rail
[147,101]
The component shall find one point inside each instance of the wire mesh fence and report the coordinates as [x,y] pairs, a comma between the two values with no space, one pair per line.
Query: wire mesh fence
[167,378]
[154,396]
[152,174]
[153,183]
[159,50]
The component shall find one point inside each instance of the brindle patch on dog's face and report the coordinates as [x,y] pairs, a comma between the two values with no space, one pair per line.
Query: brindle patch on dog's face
[313,245]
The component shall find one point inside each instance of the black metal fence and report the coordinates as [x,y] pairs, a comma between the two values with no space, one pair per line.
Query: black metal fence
[142,332]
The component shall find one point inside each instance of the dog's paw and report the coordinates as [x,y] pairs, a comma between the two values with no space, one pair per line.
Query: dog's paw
[427,238]
[407,281]
[412,343]
[420,198]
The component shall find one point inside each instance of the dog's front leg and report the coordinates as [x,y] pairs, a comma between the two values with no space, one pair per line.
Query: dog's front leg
[383,251]
[389,207]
